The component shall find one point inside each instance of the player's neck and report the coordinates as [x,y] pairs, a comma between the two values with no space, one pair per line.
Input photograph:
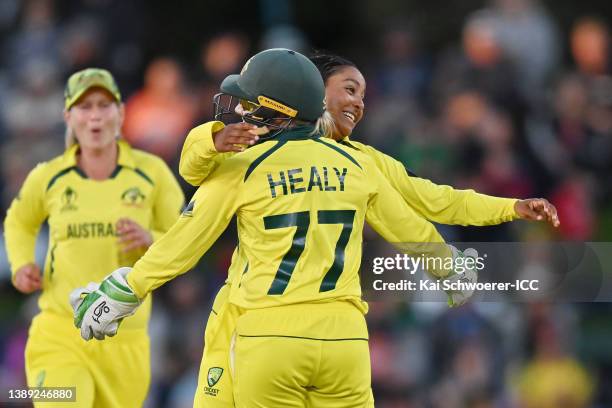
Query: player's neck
[98,164]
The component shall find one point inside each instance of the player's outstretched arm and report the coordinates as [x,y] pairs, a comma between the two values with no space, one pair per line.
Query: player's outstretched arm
[397,223]
[98,311]
[446,205]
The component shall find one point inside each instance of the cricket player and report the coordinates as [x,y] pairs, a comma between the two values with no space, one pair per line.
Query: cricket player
[210,144]
[301,202]
[105,203]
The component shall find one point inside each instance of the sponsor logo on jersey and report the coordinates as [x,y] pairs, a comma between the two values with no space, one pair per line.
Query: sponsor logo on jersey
[69,197]
[213,377]
[133,197]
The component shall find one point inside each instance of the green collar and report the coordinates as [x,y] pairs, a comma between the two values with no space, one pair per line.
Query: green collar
[304,132]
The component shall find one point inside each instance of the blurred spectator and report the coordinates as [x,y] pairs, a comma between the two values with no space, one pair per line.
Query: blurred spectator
[36,37]
[402,71]
[590,46]
[553,378]
[529,38]
[573,199]
[481,65]
[158,117]
[223,55]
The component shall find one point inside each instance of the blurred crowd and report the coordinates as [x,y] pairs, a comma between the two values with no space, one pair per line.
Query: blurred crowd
[516,106]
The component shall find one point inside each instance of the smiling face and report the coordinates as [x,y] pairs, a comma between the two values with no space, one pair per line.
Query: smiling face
[95,119]
[344,93]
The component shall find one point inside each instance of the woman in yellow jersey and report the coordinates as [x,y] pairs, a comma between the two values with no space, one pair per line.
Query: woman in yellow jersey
[301,202]
[105,204]
[208,145]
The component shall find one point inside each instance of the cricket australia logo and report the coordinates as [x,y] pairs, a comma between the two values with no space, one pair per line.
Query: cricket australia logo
[133,197]
[99,310]
[214,375]
[69,197]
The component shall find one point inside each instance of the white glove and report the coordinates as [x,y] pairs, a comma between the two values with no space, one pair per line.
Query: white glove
[104,306]
[466,275]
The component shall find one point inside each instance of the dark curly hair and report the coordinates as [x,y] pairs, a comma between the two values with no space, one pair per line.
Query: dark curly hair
[328,64]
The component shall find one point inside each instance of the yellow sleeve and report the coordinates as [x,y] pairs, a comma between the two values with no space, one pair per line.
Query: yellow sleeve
[198,227]
[199,157]
[440,203]
[390,216]
[169,200]
[24,218]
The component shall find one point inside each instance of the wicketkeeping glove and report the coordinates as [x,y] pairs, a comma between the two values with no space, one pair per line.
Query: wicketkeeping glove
[100,312]
[467,275]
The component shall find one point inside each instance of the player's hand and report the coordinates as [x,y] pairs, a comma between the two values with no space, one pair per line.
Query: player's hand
[132,236]
[235,137]
[464,272]
[100,312]
[27,278]
[537,209]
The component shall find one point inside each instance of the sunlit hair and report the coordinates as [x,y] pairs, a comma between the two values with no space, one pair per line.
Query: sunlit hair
[325,125]
[70,138]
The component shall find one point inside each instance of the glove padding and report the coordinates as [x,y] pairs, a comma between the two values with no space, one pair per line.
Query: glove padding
[101,310]
[468,275]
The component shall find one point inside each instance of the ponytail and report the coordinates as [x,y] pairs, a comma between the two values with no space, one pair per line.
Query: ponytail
[325,125]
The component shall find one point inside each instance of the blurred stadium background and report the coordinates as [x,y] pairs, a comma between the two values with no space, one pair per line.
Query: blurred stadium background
[509,97]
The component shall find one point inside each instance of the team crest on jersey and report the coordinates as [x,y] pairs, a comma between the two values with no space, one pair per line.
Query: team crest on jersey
[214,375]
[69,197]
[132,197]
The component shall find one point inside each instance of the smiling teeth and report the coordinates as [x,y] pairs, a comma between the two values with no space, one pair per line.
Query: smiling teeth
[349,115]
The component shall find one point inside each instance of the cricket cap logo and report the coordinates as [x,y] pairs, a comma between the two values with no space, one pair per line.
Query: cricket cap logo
[214,375]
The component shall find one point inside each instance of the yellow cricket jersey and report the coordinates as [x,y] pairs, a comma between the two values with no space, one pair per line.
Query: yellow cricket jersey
[301,204]
[82,213]
[438,203]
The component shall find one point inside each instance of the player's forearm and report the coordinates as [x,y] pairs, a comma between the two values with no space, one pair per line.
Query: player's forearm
[446,205]
[20,244]
[198,154]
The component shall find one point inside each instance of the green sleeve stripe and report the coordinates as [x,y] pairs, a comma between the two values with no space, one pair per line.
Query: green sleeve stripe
[263,157]
[58,175]
[144,176]
[348,144]
[116,171]
[52,263]
[336,148]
